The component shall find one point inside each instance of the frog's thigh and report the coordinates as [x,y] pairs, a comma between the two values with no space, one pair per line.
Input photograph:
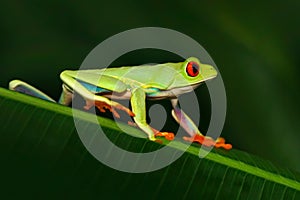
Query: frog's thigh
[91,83]
[138,98]
[108,83]
[93,80]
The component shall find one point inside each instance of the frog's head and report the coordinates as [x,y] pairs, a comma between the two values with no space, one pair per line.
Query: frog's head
[193,72]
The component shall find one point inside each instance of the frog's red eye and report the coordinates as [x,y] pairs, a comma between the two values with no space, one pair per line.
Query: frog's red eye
[192,69]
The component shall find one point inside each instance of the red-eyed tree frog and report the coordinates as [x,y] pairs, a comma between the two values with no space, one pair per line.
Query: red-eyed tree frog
[100,86]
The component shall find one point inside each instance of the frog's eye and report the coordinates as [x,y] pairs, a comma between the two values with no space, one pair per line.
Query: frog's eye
[192,69]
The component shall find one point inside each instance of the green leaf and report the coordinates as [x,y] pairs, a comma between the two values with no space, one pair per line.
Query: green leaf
[42,154]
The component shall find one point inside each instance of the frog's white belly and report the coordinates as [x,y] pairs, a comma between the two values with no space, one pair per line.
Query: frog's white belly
[160,94]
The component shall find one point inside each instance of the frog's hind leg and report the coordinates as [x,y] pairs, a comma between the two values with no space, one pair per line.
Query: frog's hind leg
[100,102]
[20,86]
[103,104]
[89,91]
[66,95]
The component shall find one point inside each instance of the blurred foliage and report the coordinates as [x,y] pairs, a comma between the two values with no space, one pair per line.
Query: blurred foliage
[255,45]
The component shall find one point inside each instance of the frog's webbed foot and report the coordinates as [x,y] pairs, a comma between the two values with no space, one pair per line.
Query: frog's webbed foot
[208,141]
[157,133]
[167,135]
[103,106]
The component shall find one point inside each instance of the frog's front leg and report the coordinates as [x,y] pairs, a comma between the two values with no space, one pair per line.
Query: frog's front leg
[138,98]
[193,131]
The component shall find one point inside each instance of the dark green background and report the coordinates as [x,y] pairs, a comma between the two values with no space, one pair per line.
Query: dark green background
[255,46]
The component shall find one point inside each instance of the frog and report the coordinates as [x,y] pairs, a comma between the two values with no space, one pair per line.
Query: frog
[101,88]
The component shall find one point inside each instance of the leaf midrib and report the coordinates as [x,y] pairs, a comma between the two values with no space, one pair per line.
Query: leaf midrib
[223,160]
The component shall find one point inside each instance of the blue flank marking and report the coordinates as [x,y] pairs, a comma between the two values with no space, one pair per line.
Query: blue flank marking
[152,92]
[92,88]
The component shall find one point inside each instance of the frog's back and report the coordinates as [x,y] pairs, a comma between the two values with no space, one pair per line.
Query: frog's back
[156,76]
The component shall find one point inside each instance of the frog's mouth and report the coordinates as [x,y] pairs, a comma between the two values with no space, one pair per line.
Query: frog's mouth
[181,90]
[174,92]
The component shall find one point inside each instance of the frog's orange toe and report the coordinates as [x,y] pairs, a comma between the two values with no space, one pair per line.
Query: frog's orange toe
[167,135]
[207,141]
[223,145]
